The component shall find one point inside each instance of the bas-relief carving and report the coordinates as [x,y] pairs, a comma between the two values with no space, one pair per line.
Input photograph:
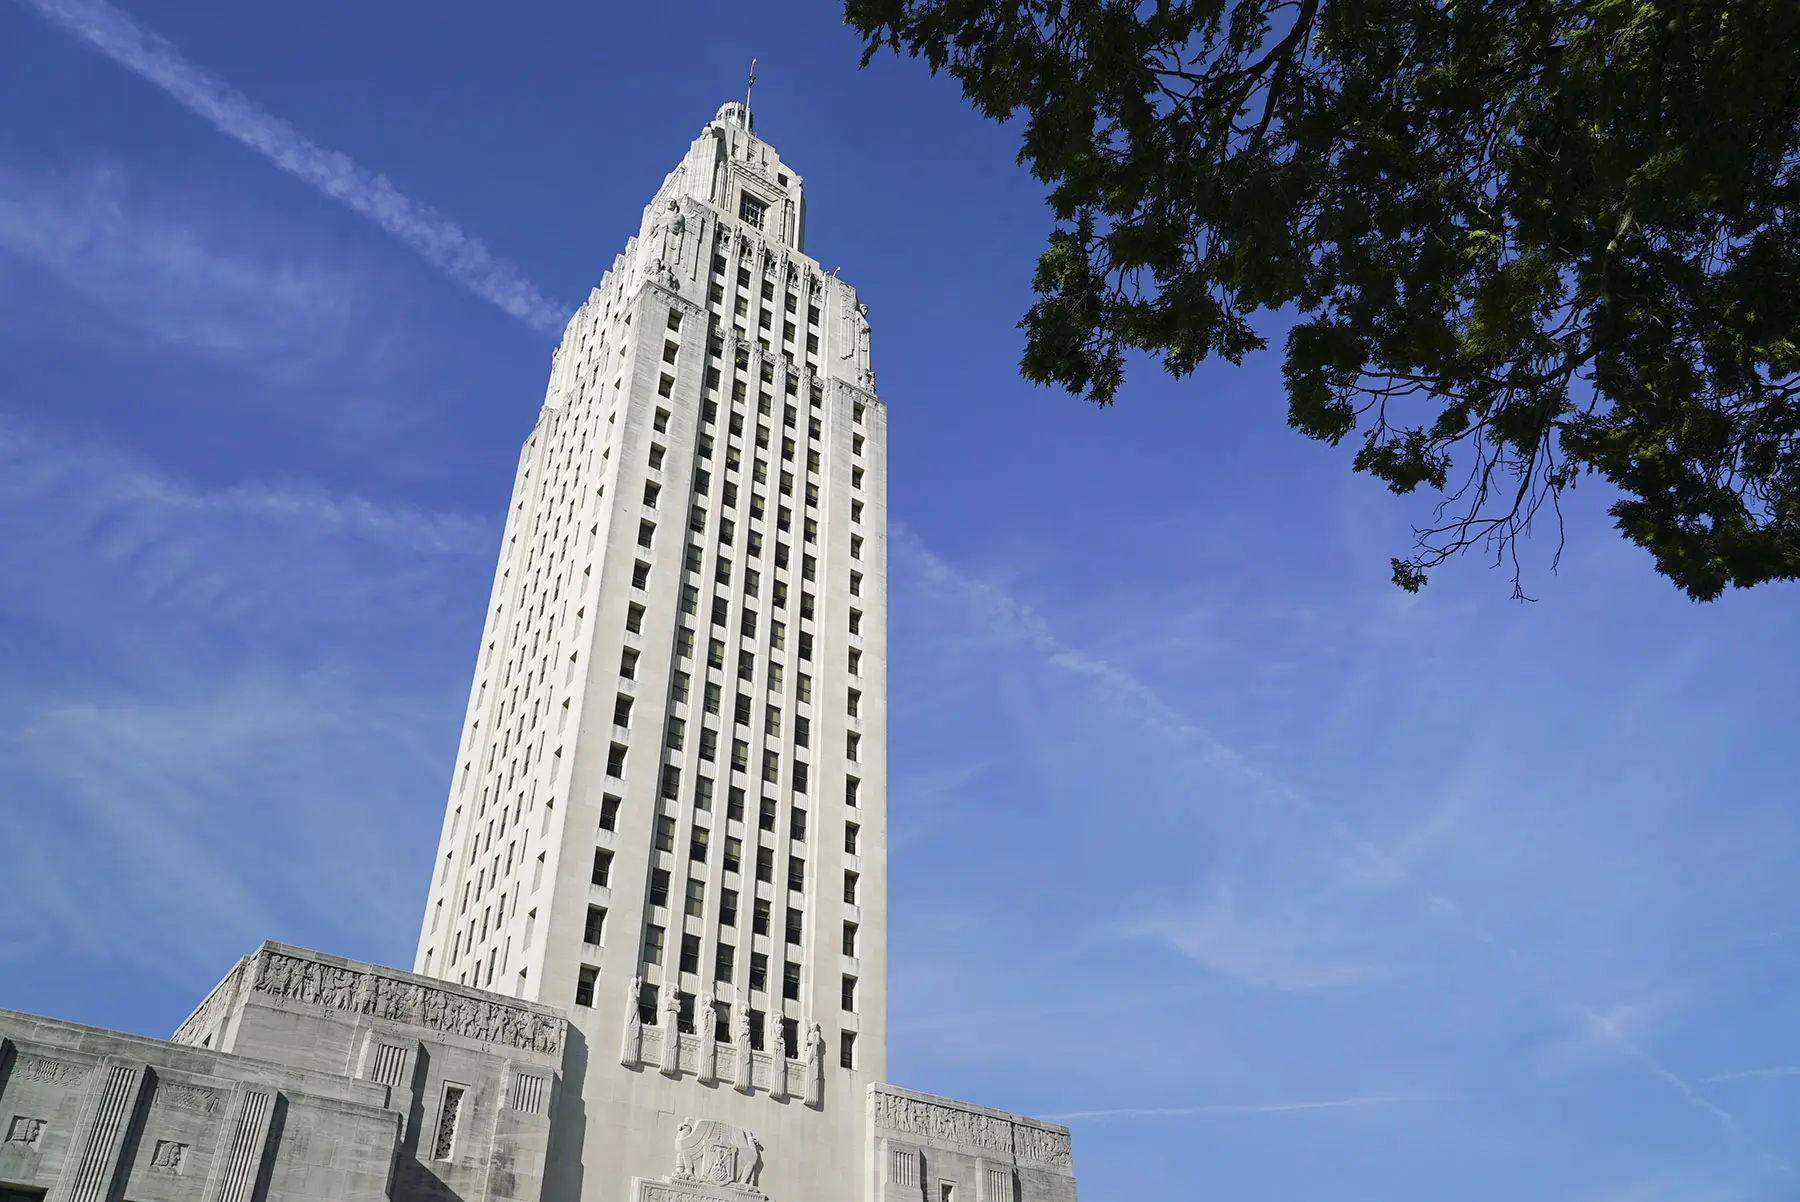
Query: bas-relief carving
[168,1156]
[717,1154]
[1044,1147]
[25,1130]
[50,1072]
[950,1124]
[189,1097]
[203,1021]
[337,988]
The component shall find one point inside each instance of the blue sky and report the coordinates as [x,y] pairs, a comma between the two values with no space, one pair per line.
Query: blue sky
[1272,881]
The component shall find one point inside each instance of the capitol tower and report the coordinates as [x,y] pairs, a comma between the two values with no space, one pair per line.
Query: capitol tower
[668,814]
[652,963]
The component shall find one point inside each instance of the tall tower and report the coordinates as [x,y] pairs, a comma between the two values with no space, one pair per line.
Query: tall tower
[668,812]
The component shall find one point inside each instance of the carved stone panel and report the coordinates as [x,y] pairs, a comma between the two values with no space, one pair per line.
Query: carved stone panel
[25,1130]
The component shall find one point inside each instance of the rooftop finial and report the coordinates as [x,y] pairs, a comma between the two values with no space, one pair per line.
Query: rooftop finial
[748,88]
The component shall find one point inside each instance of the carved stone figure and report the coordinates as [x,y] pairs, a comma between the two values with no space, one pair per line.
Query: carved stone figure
[815,1066]
[746,1064]
[671,1029]
[704,1022]
[631,1055]
[717,1154]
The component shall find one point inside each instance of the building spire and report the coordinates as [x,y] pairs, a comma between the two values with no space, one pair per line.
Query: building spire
[748,88]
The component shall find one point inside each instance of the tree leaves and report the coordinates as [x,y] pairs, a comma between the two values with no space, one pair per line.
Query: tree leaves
[1525,240]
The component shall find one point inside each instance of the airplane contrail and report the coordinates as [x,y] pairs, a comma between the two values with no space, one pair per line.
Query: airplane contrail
[440,241]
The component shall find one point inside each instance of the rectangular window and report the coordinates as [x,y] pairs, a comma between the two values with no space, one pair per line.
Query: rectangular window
[741,714]
[802,731]
[697,844]
[759,971]
[765,864]
[852,745]
[850,880]
[622,711]
[696,898]
[659,887]
[766,819]
[665,833]
[796,873]
[671,781]
[848,997]
[850,939]
[853,704]
[646,533]
[584,986]
[609,813]
[602,866]
[803,688]
[856,621]
[640,574]
[678,687]
[772,767]
[713,695]
[734,854]
[690,953]
[790,981]
[850,788]
[855,662]
[634,619]
[596,925]
[797,826]
[709,743]
[728,904]
[675,733]
[751,210]
[856,584]
[615,760]
[724,961]
[847,1049]
[759,918]
[793,926]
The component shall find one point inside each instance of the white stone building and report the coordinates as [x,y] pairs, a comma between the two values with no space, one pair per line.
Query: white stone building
[667,818]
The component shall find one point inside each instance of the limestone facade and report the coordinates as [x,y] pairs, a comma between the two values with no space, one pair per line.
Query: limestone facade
[652,963]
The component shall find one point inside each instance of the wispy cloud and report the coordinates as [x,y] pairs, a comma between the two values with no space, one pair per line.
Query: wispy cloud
[440,241]
[1753,1074]
[1225,1109]
[151,271]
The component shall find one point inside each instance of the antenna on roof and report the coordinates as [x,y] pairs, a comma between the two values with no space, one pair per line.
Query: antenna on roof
[748,88]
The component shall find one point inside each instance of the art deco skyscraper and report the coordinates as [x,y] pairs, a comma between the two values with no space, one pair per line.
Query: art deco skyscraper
[668,813]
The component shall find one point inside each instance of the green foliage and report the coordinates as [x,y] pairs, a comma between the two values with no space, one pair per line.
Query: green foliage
[1524,240]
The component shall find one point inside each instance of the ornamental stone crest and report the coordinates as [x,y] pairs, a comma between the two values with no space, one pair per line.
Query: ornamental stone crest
[717,1154]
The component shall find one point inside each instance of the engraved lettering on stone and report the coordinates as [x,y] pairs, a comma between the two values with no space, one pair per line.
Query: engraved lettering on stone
[168,1156]
[24,1130]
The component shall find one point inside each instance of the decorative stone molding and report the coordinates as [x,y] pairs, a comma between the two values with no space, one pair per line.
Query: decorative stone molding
[300,979]
[200,1026]
[939,1121]
[45,1071]
[188,1097]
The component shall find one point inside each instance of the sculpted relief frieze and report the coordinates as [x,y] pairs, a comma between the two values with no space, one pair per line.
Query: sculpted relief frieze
[337,988]
[939,1123]
[45,1071]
